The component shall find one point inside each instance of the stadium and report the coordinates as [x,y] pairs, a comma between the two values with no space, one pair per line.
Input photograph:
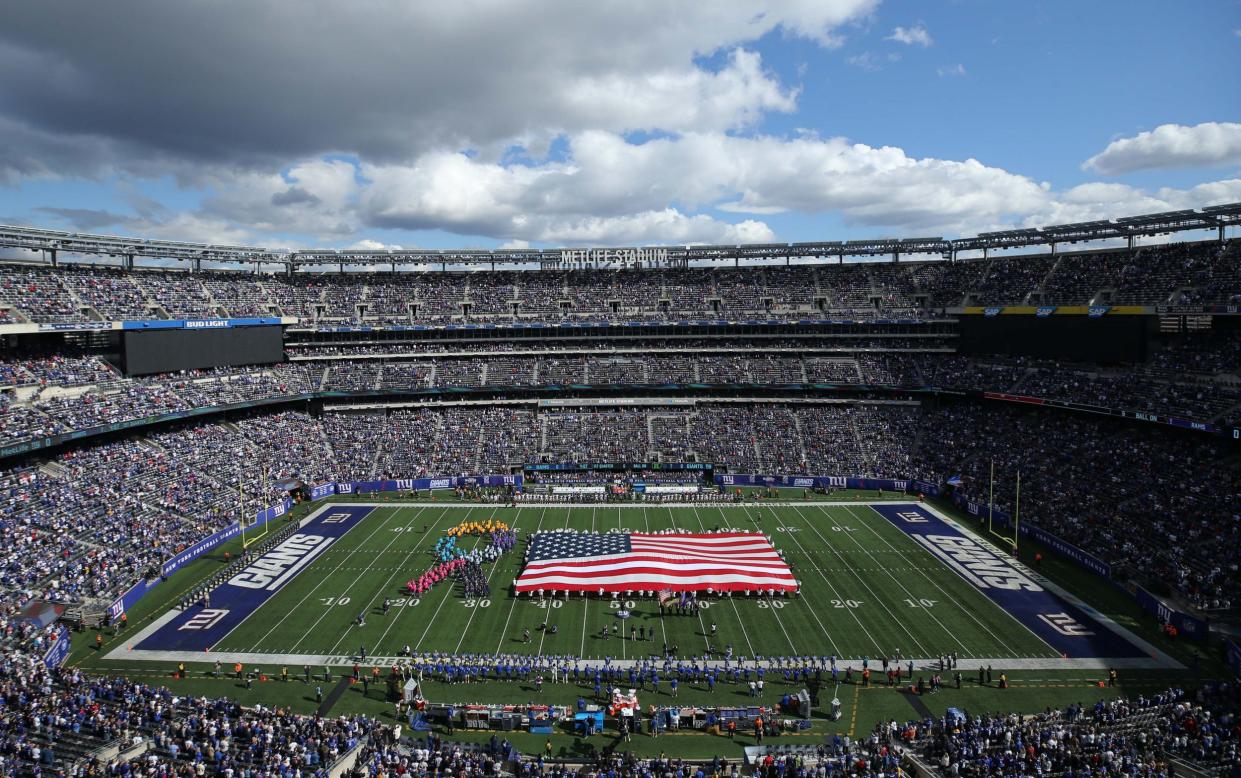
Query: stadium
[856,506]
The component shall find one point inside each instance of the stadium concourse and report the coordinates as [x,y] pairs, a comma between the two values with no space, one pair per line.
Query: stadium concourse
[1121,427]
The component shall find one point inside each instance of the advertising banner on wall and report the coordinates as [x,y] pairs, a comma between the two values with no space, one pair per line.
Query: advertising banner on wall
[59,650]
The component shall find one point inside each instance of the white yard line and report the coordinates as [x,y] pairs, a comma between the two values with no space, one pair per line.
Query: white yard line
[586,600]
[495,566]
[361,574]
[543,633]
[775,611]
[807,605]
[384,587]
[513,606]
[947,595]
[881,566]
[663,628]
[447,596]
[736,610]
[874,597]
[323,580]
[407,606]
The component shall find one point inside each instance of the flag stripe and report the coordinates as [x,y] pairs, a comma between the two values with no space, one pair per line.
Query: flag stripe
[732,561]
[774,563]
[655,565]
[678,583]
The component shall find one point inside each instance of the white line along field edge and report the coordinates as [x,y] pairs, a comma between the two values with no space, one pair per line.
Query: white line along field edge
[1155,659]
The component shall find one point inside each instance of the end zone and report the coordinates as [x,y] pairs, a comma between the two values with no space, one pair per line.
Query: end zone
[198,628]
[1058,618]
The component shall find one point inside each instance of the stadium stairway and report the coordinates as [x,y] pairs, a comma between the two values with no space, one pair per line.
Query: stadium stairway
[801,438]
[53,470]
[1195,770]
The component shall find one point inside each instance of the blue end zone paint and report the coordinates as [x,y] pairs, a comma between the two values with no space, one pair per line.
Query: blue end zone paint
[1064,626]
[237,598]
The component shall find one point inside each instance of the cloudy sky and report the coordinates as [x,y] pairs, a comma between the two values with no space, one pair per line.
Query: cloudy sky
[477,123]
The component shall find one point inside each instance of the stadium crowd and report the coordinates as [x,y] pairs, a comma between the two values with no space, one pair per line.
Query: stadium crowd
[1173,273]
[1194,379]
[1128,736]
[55,719]
[89,522]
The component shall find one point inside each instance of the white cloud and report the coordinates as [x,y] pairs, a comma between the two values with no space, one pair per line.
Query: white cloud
[408,78]
[911,36]
[950,70]
[314,197]
[608,189]
[366,244]
[1171,146]
[864,61]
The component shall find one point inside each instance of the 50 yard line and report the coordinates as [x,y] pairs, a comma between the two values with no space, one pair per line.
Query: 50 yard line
[516,596]
[586,600]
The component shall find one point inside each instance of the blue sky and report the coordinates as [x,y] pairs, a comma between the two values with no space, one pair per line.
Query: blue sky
[495,124]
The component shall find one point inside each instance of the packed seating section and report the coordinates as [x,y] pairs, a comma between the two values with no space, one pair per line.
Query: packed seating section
[89,521]
[1206,272]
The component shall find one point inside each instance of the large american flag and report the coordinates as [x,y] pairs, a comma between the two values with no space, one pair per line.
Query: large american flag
[618,562]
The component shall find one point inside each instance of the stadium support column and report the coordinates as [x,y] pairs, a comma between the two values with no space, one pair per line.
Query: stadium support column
[1221,232]
[1131,241]
[198,264]
[129,261]
[896,255]
[51,256]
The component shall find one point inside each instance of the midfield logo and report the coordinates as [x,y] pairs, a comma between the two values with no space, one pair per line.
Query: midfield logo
[1065,624]
[204,619]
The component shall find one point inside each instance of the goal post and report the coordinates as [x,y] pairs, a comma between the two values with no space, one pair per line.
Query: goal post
[1009,541]
[249,514]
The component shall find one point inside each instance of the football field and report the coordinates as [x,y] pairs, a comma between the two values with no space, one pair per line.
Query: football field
[869,589]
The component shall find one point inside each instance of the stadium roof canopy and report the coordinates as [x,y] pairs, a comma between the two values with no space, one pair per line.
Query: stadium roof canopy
[54,242]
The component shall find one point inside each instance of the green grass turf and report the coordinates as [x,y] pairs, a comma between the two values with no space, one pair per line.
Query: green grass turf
[1031,690]
[867,590]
